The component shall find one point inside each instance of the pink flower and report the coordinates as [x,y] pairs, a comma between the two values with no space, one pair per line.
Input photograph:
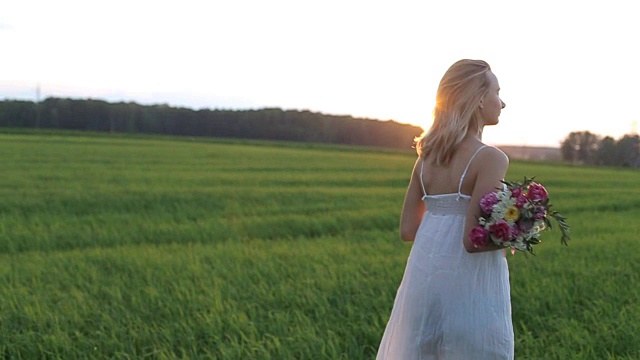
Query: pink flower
[537,192]
[525,226]
[517,194]
[540,212]
[515,230]
[501,230]
[487,202]
[479,236]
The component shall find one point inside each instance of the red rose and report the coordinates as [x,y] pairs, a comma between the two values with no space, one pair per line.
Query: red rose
[537,192]
[479,236]
[500,231]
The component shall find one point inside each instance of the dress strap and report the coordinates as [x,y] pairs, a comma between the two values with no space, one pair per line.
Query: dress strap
[424,191]
[467,168]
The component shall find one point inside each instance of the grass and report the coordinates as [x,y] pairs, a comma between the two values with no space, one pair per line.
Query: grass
[164,248]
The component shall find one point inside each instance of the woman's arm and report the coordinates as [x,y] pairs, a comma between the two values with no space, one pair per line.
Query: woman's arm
[492,165]
[413,207]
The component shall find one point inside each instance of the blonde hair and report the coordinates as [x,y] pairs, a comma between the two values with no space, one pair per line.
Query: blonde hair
[457,106]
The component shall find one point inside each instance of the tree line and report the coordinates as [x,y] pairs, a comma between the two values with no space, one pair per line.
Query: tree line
[584,147]
[267,124]
[581,147]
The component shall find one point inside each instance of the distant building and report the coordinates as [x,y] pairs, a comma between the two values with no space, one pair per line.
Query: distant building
[532,153]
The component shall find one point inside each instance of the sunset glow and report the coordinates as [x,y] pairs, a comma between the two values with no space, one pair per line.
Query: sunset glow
[379,60]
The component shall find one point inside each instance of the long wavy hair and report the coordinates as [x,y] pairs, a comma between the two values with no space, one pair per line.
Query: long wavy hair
[457,107]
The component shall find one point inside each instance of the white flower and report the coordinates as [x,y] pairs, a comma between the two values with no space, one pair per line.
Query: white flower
[540,225]
[504,203]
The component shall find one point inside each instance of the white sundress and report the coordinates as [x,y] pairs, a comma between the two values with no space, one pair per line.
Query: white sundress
[451,304]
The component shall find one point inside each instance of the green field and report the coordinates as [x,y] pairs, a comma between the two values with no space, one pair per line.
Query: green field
[164,248]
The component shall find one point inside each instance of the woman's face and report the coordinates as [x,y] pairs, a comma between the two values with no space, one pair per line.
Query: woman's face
[491,104]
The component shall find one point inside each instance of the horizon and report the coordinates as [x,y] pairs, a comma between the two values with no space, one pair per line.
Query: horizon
[266,108]
[495,141]
[379,60]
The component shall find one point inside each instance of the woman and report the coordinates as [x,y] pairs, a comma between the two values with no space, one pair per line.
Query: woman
[454,299]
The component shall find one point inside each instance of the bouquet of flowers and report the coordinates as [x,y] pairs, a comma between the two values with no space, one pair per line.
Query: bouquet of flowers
[515,216]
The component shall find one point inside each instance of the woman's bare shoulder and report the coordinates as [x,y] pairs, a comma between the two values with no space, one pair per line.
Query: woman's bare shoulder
[492,160]
[492,153]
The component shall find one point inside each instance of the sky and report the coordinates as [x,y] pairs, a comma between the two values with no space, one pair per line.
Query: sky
[562,65]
